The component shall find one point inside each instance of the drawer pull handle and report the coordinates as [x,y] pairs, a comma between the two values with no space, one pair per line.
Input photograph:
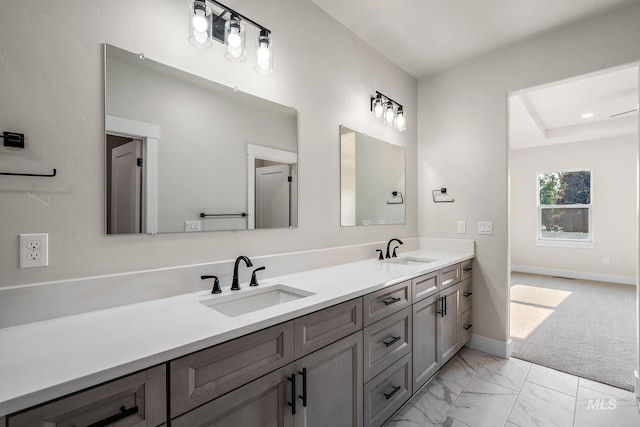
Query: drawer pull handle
[468,294]
[304,387]
[467,327]
[391,301]
[392,342]
[292,378]
[467,269]
[124,413]
[390,395]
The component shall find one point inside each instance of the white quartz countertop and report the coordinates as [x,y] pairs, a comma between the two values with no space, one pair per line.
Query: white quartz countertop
[49,359]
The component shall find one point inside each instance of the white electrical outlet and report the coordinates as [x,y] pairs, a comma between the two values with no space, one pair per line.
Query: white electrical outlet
[34,250]
[462,227]
[606,261]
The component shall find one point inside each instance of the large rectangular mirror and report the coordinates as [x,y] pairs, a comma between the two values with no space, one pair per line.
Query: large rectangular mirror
[187,154]
[372,180]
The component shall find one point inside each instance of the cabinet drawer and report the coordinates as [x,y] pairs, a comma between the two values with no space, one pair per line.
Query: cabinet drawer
[387,392]
[387,341]
[207,374]
[449,276]
[467,268]
[425,286]
[467,295]
[323,327]
[136,400]
[466,327]
[261,402]
[384,302]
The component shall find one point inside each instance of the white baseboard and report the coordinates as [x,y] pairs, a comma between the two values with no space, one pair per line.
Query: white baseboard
[637,385]
[583,275]
[491,346]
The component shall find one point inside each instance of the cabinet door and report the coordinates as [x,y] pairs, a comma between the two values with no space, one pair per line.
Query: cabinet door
[333,390]
[263,402]
[450,323]
[425,340]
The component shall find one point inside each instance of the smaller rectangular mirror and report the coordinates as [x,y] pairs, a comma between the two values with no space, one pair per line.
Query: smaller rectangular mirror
[372,180]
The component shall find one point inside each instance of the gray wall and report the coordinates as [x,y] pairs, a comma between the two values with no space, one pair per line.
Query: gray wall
[52,66]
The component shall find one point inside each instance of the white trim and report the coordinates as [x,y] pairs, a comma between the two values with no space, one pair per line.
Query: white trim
[583,275]
[127,127]
[491,346]
[265,153]
[637,385]
[150,134]
[560,243]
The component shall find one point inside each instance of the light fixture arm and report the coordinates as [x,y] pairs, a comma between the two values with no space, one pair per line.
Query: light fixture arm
[228,10]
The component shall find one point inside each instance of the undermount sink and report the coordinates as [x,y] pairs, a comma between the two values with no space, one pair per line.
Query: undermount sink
[254,300]
[408,260]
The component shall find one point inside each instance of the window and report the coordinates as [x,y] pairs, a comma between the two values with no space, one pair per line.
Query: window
[564,208]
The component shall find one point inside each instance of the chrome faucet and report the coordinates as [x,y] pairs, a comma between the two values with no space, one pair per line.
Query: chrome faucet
[235,285]
[394,250]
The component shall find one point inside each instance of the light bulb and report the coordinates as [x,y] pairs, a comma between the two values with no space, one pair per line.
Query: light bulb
[400,121]
[389,114]
[234,39]
[199,18]
[200,23]
[264,53]
[377,108]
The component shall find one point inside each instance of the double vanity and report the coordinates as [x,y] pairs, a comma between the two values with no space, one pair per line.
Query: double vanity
[342,345]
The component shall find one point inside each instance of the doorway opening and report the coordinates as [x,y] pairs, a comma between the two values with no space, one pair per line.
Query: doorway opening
[573,224]
[272,193]
[124,185]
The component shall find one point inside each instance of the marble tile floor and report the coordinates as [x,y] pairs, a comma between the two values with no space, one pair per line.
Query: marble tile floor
[475,389]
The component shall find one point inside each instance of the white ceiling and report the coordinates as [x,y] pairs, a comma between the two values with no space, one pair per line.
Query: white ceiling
[553,114]
[425,36]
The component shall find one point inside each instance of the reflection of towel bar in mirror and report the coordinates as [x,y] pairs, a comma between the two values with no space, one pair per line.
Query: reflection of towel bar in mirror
[442,197]
[229,215]
[45,175]
[396,194]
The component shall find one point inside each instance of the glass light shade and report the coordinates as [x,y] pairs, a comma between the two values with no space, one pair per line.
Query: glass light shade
[264,54]
[389,114]
[378,108]
[234,39]
[401,123]
[200,24]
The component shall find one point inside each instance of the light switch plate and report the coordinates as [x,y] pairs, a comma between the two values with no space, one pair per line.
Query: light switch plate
[462,227]
[192,225]
[34,250]
[485,227]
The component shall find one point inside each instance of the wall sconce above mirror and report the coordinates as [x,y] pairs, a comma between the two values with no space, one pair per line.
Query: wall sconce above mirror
[179,146]
[210,21]
[372,180]
[388,111]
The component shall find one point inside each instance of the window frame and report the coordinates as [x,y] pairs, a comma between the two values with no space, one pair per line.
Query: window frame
[565,242]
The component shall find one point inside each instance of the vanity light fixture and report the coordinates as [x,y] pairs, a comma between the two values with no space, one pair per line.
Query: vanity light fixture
[389,111]
[207,23]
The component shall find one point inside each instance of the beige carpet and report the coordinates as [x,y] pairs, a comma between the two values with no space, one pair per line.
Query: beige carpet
[581,327]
